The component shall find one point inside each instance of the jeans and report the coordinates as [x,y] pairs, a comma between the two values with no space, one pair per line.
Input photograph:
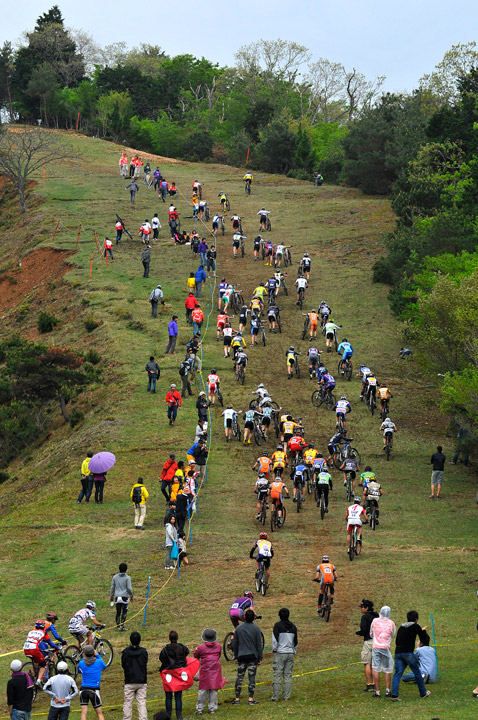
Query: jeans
[99,487]
[154,309]
[119,233]
[172,412]
[146,269]
[171,346]
[152,383]
[178,702]
[86,488]
[198,289]
[58,713]
[401,662]
[282,665]
[166,489]
[197,327]
[131,691]
[203,259]
[20,715]
[251,668]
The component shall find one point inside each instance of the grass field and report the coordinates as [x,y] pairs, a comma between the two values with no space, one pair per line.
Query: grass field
[56,554]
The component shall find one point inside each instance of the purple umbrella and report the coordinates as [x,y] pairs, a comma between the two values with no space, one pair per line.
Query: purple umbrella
[101,462]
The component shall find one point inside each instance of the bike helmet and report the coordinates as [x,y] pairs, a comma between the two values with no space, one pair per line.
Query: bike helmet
[368,468]
[343,397]
[280,447]
[244,307]
[357,500]
[262,285]
[323,370]
[265,453]
[51,617]
[323,302]
[229,407]
[325,558]
[383,385]
[262,208]
[239,332]
[311,446]
[90,605]
[262,475]
[299,431]
[344,340]
[263,536]
[261,385]
[248,594]
[289,417]
[213,371]
[40,624]
[306,254]
[292,348]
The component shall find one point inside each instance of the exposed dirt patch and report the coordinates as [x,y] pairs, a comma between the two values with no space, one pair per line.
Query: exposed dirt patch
[34,272]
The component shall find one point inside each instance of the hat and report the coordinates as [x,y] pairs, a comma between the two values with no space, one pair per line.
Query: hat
[192,462]
[149,247]
[202,392]
[89,650]
[209,635]
[366,603]
[173,385]
[16,665]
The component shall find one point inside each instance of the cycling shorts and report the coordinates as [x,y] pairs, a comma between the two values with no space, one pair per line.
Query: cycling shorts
[255,331]
[329,386]
[220,324]
[228,423]
[227,340]
[215,224]
[291,362]
[212,389]
[90,695]
[236,615]
[235,244]
[347,354]
[351,526]
[324,582]
[313,324]
[266,561]
[352,473]
[277,501]
[235,223]
[388,431]
[37,656]
[279,255]
[78,630]
[330,336]
[249,425]
[287,437]
[340,414]
[266,421]
[299,480]
[313,359]
[262,494]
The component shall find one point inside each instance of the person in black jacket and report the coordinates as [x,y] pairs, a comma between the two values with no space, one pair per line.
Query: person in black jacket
[19,692]
[200,456]
[201,405]
[284,648]
[368,614]
[134,660]
[173,656]
[404,654]
[182,501]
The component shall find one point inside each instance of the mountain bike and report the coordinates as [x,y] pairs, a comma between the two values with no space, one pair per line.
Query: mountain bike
[371,402]
[240,375]
[227,643]
[348,487]
[243,246]
[247,187]
[342,453]
[355,547]
[339,423]
[52,658]
[258,432]
[306,327]
[388,445]
[321,501]
[254,404]
[287,257]
[384,410]
[300,301]
[327,601]
[276,521]
[236,428]
[263,511]
[283,285]
[296,365]
[371,511]
[345,369]
[299,498]
[262,334]
[275,420]
[268,227]
[328,399]
[102,646]
[261,579]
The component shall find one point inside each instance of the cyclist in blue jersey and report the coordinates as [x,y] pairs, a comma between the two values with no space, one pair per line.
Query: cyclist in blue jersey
[299,477]
[346,350]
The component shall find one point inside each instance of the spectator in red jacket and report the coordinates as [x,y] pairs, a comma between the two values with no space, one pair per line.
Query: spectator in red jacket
[190,303]
[167,475]
[173,398]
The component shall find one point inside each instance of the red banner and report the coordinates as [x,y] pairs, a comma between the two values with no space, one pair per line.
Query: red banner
[181,678]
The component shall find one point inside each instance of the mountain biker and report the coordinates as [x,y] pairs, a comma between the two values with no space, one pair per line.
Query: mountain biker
[237,343]
[262,489]
[384,394]
[51,618]
[255,327]
[213,383]
[301,284]
[229,413]
[272,288]
[37,637]
[276,489]
[313,354]
[314,319]
[350,467]
[239,607]
[305,264]
[324,312]
[298,478]
[215,222]
[367,476]
[325,575]
[354,516]
[263,393]
[267,413]
[248,178]
[223,200]
[243,313]
[263,464]
[337,439]
[326,382]
[227,338]
[347,351]
[280,249]
[388,427]
[263,213]
[236,222]
[279,460]
[372,492]
[342,407]
[291,355]
[256,305]
[257,246]
[363,373]
[272,316]
[77,626]
[236,241]
[288,427]
[265,552]
[260,291]
[248,425]
[221,321]
[240,361]
[297,444]
[323,481]
[329,331]
[269,251]
[309,455]
[371,388]
[280,280]
[320,464]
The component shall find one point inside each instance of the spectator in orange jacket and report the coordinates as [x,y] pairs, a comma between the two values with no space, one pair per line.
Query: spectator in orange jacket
[190,303]
[173,398]
[197,317]
[167,475]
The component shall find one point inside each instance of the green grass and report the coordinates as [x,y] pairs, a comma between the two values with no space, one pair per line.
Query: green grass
[56,554]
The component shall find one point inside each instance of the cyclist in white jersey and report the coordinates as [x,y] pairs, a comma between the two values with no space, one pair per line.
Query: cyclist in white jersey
[355,516]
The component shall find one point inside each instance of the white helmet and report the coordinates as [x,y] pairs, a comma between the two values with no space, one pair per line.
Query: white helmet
[90,605]
[261,385]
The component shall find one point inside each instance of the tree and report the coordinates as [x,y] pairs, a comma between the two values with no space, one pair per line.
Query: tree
[361,92]
[457,62]
[25,152]
[304,156]
[276,147]
[6,73]
[279,59]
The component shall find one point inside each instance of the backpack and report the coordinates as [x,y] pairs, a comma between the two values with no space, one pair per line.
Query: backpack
[137,494]
[183,369]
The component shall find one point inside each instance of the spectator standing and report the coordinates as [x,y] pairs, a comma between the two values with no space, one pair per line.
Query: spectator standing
[247,648]
[382,631]
[86,479]
[202,249]
[192,349]
[91,666]
[123,165]
[197,317]
[121,592]
[427,659]
[156,225]
[173,335]
[438,465]
[199,279]
[154,371]
[134,661]
[201,430]
[202,405]
[139,495]
[133,188]
[199,452]
[210,674]
[155,298]
[190,303]
[170,539]
[182,504]
[163,189]
[147,174]
[167,474]
[62,689]
[368,615]
[183,555]
[284,648]
[156,178]
[99,479]
[211,260]
[404,655]
[171,657]
[146,259]
[185,370]
[19,693]
[173,400]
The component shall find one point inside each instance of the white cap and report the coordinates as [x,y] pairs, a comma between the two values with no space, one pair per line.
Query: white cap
[16,665]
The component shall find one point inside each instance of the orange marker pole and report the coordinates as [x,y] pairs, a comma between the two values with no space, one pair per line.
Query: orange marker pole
[78,237]
[43,173]
[77,120]
[56,230]
[247,158]
[91,264]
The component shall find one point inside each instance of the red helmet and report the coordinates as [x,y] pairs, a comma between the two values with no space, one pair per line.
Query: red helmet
[248,594]
[263,536]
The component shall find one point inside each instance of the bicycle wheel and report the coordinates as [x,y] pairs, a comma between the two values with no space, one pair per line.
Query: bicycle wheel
[340,424]
[330,401]
[237,431]
[299,499]
[243,249]
[263,513]
[316,492]
[284,515]
[257,434]
[276,426]
[328,608]
[350,493]
[220,398]
[309,483]
[284,287]
[348,371]
[297,369]
[373,517]
[268,225]
[306,327]
[73,652]
[351,546]
[322,506]
[358,545]
[339,458]
[253,404]
[371,404]
[340,368]
[228,205]
[301,299]
[105,650]
[227,647]
[258,580]
[316,398]
[273,520]
[264,339]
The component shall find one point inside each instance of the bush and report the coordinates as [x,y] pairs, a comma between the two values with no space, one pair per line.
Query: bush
[91,324]
[46,322]
[92,357]
[299,174]
[76,417]
[3,477]
[197,146]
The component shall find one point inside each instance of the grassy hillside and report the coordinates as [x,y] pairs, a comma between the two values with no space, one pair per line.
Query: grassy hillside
[56,554]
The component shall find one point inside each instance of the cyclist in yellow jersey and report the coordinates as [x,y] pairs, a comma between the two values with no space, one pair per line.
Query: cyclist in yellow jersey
[260,291]
[248,176]
[236,343]
[279,460]
[264,553]
[310,454]
[256,305]
[290,360]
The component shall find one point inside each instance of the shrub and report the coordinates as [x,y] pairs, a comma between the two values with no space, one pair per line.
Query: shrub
[3,477]
[46,322]
[91,324]
[299,174]
[76,417]
[92,357]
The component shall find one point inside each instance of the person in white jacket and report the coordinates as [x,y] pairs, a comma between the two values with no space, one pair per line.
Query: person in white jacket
[171,538]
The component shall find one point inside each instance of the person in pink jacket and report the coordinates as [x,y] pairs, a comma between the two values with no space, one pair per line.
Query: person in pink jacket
[210,674]
[382,631]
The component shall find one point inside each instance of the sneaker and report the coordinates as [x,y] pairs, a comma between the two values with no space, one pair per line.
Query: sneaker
[376,694]
[432,497]
[198,712]
[256,702]
[236,701]
[387,693]
[427,694]
[368,688]
[395,699]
